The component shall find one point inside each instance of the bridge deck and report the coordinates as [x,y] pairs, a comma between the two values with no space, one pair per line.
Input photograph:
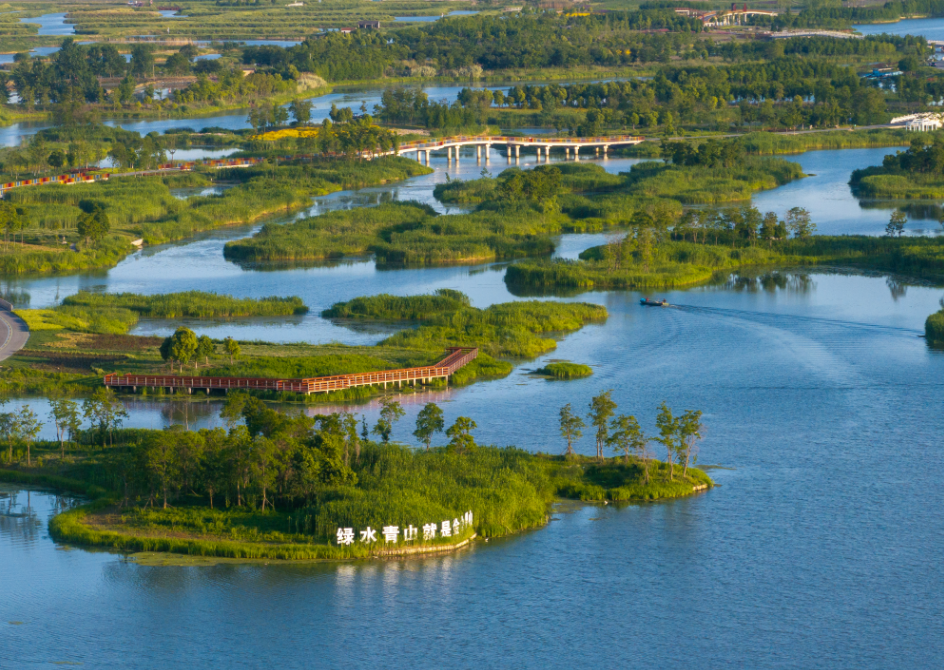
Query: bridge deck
[455,359]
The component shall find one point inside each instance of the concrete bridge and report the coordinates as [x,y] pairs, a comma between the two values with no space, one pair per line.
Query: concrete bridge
[514,145]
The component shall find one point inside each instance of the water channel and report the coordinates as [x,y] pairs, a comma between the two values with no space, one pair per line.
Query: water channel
[819,549]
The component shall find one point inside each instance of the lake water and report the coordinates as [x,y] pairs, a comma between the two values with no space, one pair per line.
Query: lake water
[932,29]
[52,24]
[430,19]
[819,549]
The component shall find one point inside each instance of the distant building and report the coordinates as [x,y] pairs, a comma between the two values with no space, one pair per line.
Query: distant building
[924,124]
[368,24]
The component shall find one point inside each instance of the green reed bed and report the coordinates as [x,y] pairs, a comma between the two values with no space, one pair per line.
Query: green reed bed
[188,304]
[565,370]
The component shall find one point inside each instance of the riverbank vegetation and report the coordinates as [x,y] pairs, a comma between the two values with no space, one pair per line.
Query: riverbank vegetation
[934,328]
[53,221]
[917,172]
[565,370]
[72,346]
[516,213]
[115,314]
[281,486]
[707,245]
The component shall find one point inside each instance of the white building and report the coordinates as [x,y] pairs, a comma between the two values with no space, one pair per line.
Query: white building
[924,123]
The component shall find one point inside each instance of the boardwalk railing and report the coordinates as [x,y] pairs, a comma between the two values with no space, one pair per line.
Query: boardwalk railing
[82,178]
[455,359]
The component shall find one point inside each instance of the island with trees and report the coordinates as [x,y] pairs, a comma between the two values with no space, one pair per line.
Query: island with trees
[280,486]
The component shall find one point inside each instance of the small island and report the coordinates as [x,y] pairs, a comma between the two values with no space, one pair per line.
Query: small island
[292,487]
[565,370]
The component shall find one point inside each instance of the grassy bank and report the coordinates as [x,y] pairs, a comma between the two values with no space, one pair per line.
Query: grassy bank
[145,208]
[676,263]
[505,489]
[784,143]
[516,214]
[116,314]
[71,347]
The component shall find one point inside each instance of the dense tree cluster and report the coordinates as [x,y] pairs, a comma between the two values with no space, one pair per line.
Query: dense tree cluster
[925,155]
[487,42]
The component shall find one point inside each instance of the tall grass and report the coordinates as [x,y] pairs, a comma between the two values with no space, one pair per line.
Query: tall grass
[512,329]
[193,304]
[566,370]
[400,234]
[506,489]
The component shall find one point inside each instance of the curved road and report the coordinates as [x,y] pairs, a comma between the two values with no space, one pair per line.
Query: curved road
[13,331]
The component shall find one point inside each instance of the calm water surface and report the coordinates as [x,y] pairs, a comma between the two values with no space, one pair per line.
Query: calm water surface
[820,549]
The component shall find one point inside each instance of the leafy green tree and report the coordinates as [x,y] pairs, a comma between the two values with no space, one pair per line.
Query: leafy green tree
[205,349]
[142,61]
[180,347]
[428,422]
[11,219]
[690,430]
[232,348]
[93,223]
[352,440]
[460,435]
[571,427]
[104,411]
[668,427]
[627,437]
[390,412]
[799,222]
[27,427]
[65,415]
[264,455]
[301,111]
[162,461]
[769,228]
[602,408]
[896,224]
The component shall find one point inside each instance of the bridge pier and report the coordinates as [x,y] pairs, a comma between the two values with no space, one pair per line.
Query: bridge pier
[539,153]
[605,147]
[448,160]
[576,153]
[567,153]
[517,151]
[427,158]
[488,149]
[478,152]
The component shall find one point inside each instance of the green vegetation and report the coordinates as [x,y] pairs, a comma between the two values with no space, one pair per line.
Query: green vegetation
[189,304]
[70,347]
[565,370]
[146,209]
[115,314]
[399,233]
[301,488]
[934,328]
[917,172]
[649,258]
[517,213]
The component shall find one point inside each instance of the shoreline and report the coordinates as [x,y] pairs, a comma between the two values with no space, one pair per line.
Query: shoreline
[71,529]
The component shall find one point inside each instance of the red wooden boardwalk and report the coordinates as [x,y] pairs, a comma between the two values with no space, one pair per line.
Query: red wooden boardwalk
[457,358]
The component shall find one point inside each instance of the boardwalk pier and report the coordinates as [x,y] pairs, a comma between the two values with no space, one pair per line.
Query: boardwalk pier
[455,359]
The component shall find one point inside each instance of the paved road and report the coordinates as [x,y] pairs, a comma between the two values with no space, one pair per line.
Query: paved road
[13,332]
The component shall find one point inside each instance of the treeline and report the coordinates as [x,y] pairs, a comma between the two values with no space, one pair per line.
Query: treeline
[785,92]
[78,75]
[468,45]
[843,16]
